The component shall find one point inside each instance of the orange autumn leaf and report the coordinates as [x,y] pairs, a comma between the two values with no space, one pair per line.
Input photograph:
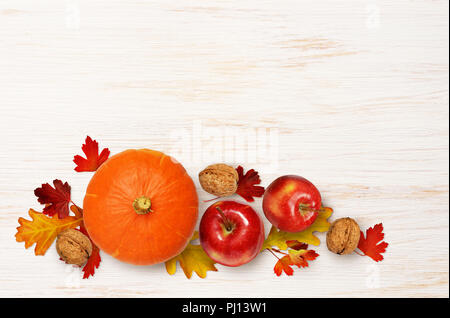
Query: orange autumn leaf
[297,258]
[284,264]
[42,230]
[300,258]
[93,160]
[192,259]
[77,211]
[370,245]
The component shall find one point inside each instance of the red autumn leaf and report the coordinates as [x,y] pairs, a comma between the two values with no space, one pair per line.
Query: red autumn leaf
[56,199]
[92,263]
[284,264]
[296,245]
[370,245]
[93,160]
[94,260]
[247,187]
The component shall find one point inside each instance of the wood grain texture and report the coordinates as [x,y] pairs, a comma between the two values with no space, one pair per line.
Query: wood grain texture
[356,93]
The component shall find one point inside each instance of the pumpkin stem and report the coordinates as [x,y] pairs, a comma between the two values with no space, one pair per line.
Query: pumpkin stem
[142,205]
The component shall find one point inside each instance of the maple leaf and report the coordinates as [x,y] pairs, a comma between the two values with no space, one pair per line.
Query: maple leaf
[247,187]
[371,245]
[94,260]
[192,259]
[301,257]
[56,199]
[284,264]
[298,258]
[280,238]
[43,230]
[93,160]
[92,263]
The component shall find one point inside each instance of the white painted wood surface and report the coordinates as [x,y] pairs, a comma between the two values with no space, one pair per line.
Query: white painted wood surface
[354,92]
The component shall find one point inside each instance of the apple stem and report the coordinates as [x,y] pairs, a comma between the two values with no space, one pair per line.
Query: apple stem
[304,208]
[227,222]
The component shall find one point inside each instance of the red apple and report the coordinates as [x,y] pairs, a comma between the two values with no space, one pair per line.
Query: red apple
[231,233]
[291,203]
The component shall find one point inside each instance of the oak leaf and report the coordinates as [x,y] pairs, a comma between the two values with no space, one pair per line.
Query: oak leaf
[192,259]
[56,199]
[43,230]
[93,160]
[280,238]
[247,184]
[370,245]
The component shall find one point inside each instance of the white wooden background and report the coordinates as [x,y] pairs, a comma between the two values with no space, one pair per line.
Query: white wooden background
[357,92]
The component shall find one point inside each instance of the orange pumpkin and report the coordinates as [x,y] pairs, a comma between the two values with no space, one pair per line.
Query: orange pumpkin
[141,207]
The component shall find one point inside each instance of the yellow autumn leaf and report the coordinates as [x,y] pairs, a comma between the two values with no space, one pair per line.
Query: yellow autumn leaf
[43,230]
[192,259]
[278,238]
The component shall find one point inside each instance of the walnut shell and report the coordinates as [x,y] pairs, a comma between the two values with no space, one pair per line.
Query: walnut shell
[219,179]
[73,247]
[343,236]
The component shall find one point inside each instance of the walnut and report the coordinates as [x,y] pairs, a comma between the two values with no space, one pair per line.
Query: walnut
[219,179]
[73,247]
[343,236]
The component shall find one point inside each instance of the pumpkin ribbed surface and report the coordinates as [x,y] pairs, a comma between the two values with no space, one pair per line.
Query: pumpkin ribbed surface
[141,207]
